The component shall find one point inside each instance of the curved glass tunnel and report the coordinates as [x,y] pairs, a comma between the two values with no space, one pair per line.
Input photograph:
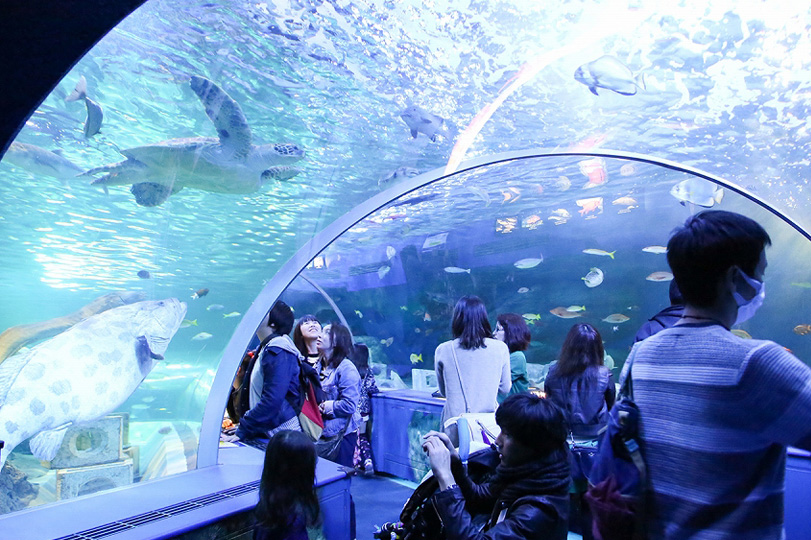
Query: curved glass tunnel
[723,89]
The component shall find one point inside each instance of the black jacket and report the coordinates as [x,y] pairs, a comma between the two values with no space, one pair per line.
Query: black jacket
[664,319]
[530,502]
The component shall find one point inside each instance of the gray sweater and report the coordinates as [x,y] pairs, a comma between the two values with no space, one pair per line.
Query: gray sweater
[485,372]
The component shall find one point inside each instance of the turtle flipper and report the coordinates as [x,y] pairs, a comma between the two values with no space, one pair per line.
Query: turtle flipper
[280,172]
[225,114]
[152,194]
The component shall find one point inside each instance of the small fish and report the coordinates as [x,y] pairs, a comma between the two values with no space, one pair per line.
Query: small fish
[401,173]
[587,206]
[419,121]
[563,183]
[215,307]
[417,330]
[658,250]
[532,222]
[200,293]
[624,201]
[564,313]
[531,316]
[382,271]
[95,114]
[523,290]
[802,329]
[802,284]
[594,169]
[481,193]
[390,252]
[592,251]
[741,333]
[144,274]
[593,278]
[416,358]
[359,314]
[615,328]
[561,212]
[660,276]
[403,308]
[524,264]
[186,323]
[387,342]
[629,169]
[201,336]
[435,241]
[609,73]
[698,191]
[616,318]
[232,314]
[575,309]
[456,270]
[427,317]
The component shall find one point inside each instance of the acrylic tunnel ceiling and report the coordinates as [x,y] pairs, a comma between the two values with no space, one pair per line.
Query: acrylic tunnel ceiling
[361,96]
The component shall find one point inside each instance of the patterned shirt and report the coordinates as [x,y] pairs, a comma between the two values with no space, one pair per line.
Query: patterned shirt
[717,413]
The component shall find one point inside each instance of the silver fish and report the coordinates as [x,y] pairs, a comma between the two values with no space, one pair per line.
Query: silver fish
[39,161]
[698,191]
[593,278]
[609,73]
[421,121]
[82,373]
[95,114]
[457,270]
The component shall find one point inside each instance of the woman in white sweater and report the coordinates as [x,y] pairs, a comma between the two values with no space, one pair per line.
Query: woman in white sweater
[473,368]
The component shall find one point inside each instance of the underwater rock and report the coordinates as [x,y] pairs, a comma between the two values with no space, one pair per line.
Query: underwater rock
[16,492]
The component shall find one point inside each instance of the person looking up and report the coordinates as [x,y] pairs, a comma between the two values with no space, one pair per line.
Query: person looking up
[305,336]
[473,368]
[665,318]
[275,396]
[579,382]
[288,506]
[512,329]
[717,411]
[528,498]
[340,382]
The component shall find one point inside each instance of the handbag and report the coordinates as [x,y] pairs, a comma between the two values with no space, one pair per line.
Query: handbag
[328,447]
[618,476]
[310,416]
[582,456]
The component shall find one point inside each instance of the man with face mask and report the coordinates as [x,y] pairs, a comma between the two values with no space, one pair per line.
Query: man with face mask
[717,411]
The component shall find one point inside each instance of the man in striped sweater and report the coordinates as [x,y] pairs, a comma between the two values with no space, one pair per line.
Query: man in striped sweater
[718,411]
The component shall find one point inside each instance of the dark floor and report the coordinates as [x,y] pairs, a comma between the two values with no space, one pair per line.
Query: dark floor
[378,499]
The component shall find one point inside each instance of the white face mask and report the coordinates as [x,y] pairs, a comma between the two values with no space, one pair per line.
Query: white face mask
[747,308]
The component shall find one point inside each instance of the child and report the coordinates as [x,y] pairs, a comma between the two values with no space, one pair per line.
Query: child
[288,506]
[363,450]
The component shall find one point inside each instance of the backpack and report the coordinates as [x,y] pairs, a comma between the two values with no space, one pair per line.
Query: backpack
[617,479]
[311,395]
[239,398]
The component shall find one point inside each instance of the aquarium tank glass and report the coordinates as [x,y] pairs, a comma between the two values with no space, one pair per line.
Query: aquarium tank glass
[371,162]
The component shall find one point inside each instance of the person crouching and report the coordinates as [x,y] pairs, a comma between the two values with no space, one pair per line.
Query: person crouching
[529,495]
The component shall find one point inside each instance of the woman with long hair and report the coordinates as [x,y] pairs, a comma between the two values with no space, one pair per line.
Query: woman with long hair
[288,506]
[368,386]
[472,369]
[512,329]
[305,336]
[340,382]
[579,382]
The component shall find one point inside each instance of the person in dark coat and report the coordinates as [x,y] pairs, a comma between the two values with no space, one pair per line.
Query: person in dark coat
[275,389]
[528,497]
[665,318]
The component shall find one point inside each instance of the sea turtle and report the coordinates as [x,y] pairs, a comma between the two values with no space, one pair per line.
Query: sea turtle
[230,163]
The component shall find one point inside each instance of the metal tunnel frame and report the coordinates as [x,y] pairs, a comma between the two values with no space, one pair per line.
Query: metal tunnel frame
[212,418]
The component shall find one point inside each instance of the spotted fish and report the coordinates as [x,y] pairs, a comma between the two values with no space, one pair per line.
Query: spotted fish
[82,373]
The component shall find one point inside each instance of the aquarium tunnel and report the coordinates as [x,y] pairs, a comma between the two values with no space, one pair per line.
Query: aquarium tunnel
[368,162]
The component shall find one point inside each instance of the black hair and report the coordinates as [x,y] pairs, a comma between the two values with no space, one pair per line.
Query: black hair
[582,349]
[516,331]
[298,338]
[536,423]
[281,316]
[341,341]
[674,293]
[360,357]
[701,251]
[470,322]
[287,487]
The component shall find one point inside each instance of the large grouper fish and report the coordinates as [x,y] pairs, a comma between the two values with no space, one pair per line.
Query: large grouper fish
[81,374]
